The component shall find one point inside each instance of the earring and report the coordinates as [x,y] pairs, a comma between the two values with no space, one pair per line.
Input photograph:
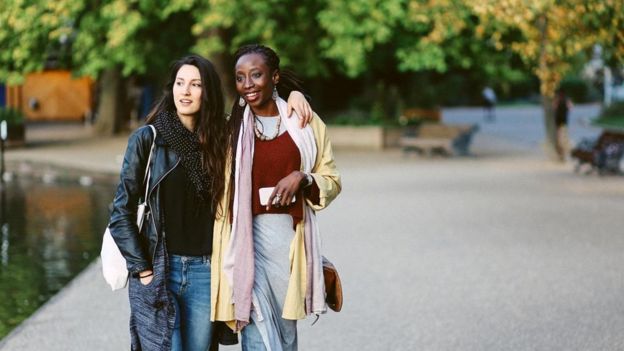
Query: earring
[275,95]
[241,102]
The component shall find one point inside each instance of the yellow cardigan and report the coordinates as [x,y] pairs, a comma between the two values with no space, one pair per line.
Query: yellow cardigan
[328,181]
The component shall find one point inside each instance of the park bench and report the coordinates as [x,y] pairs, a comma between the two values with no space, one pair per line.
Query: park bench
[411,114]
[604,154]
[432,138]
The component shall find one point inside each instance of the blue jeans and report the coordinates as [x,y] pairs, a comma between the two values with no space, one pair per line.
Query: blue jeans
[251,338]
[189,282]
[282,337]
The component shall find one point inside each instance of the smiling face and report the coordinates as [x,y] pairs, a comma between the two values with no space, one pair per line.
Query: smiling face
[255,82]
[187,91]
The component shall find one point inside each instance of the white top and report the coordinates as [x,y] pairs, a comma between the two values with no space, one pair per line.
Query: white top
[266,125]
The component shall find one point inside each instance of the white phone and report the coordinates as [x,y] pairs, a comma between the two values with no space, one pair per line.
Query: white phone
[265,193]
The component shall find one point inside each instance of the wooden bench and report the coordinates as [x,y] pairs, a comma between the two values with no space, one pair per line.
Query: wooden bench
[432,138]
[410,114]
[595,153]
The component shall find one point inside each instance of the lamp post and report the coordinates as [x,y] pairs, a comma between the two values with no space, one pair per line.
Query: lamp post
[4,226]
[4,229]
[3,138]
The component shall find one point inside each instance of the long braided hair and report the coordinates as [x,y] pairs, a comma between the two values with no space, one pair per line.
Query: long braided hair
[211,125]
[288,83]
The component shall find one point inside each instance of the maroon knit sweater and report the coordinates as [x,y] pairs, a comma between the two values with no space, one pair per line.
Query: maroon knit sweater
[272,161]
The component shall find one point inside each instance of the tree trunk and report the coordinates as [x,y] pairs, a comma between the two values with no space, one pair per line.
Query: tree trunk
[111,102]
[225,68]
[224,65]
[548,82]
[550,143]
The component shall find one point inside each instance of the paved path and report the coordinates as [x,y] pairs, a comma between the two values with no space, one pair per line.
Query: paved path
[500,251]
[524,125]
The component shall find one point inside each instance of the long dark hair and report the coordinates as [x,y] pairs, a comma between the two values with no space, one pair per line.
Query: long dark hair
[210,125]
[288,82]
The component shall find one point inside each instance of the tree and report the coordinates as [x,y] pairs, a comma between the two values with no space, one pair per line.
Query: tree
[117,38]
[287,26]
[26,42]
[108,40]
[382,42]
[550,35]
[113,39]
[400,41]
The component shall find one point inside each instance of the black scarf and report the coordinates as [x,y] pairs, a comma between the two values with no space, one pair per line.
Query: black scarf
[186,145]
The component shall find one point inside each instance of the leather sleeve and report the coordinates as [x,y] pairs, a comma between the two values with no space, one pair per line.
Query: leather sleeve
[122,224]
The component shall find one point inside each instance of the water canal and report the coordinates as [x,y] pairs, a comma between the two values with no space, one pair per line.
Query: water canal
[50,230]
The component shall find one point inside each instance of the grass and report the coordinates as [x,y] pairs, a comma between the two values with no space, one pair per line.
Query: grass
[610,122]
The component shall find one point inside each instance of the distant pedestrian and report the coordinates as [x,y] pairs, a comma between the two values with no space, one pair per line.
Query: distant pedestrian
[170,283]
[561,106]
[489,103]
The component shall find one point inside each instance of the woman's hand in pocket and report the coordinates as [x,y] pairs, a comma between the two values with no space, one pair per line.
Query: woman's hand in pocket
[146,277]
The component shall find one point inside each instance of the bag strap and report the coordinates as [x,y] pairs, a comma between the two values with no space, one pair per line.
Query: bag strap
[148,172]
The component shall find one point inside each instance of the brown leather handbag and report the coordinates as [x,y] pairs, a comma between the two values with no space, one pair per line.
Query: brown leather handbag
[333,287]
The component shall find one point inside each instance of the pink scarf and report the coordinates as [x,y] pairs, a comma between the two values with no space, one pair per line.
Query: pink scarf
[238,264]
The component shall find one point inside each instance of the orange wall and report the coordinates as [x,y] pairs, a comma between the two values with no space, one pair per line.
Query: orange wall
[58,96]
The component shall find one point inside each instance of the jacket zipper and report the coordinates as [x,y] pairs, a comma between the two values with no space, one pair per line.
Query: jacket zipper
[149,193]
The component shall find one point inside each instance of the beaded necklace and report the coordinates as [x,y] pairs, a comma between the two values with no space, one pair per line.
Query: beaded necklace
[259,133]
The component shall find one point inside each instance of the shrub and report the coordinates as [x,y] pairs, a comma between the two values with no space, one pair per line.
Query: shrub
[612,116]
[11,115]
[616,109]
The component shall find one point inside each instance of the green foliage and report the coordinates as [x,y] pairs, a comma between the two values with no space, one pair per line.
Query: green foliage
[355,27]
[422,36]
[404,53]
[221,26]
[616,109]
[551,36]
[310,35]
[136,36]
[417,47]
[612,117]
[11,115]
[422,56]
[578,89]
[28,27]
[354,117]
[610,123]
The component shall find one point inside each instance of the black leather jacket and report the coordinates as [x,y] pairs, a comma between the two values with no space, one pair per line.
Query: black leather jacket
[139,248]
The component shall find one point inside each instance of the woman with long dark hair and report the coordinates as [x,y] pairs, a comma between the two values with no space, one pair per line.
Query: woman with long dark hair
[267,267]
[169,260]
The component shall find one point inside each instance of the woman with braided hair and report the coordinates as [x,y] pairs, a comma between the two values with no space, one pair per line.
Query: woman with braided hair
[267,269]
[169,260]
